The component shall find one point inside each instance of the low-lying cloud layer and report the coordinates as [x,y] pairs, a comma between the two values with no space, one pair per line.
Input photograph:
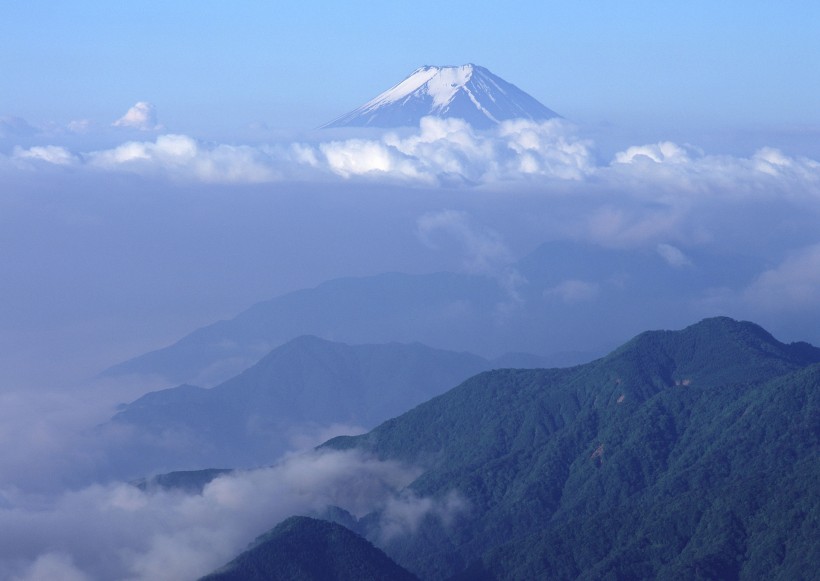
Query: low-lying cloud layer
[120,532]
[441,152]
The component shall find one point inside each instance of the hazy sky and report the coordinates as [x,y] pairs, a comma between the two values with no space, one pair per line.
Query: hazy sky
[158,161]
[213,68]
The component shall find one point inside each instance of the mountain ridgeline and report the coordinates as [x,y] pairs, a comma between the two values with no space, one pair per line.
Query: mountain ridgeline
[681,455]
[307,549]
[292,395]
[467,92]
[596,296]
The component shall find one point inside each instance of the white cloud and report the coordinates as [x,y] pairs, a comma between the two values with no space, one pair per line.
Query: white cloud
[663,152]
[55,567]
[793,285]
[547,149]
[52,154]
[160,535]
[403,513]
[673,255]
[360,157]
[683,171]
[80,125]
[181,157]
[142,116]
[775,163]
[443,151]
[449,152]
[574,291]
[449,148]
[484,250]
[623,224]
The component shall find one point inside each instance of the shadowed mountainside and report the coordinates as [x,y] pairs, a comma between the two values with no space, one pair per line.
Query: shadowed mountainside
[307,549]
[686,454]
[296,393]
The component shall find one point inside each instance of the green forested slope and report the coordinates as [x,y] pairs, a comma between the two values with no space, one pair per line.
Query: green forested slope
[306,549]
[680,455]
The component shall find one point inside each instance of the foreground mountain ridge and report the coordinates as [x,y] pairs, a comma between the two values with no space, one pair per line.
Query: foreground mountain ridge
[467,92]
[686,454]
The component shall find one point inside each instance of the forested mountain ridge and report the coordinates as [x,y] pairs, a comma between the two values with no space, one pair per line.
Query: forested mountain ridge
[307,549]
[686,454]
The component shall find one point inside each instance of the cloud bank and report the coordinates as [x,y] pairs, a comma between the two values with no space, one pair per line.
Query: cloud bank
[444,152]
[120,532]
[441,152]
[183,158]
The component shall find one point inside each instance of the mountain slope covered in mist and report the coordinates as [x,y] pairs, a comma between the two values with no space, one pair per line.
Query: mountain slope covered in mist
[687,454]
[562,301]
[285,401]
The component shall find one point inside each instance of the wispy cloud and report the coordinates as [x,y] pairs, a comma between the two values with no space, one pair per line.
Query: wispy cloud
[484,249]
[793,285]
[53,154]
[142,116]
[574,291]
[54,565]
[673,255]
[158,535]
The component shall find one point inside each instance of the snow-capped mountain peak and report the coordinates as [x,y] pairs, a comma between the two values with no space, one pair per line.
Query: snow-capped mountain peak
[468,91]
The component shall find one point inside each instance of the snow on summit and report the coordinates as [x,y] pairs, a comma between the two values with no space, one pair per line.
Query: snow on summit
[469,92]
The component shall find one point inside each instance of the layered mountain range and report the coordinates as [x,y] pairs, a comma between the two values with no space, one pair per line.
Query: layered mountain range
[565,302]
[682,454]
[286,401]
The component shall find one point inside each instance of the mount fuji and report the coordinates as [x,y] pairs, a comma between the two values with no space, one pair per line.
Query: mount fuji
[468,92]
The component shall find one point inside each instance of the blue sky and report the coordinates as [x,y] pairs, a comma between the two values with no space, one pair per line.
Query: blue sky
[215,67]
